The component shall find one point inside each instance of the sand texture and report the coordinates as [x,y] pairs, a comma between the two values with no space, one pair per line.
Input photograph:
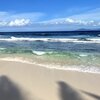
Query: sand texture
[21,81]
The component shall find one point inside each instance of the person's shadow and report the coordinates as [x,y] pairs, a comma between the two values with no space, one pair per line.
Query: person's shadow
[8,90]
[66,92]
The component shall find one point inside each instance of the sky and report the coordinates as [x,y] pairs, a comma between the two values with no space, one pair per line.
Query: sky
[49,15]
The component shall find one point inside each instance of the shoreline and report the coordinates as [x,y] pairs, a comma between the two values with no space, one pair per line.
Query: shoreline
[58,67]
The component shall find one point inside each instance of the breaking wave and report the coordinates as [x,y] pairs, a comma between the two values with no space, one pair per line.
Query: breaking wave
[76,40]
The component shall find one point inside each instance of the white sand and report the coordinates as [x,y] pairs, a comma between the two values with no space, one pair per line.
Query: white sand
[38,83]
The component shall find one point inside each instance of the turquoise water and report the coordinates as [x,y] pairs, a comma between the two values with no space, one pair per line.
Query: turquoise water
[65,57]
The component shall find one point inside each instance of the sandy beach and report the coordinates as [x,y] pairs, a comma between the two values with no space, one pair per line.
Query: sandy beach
[22,81]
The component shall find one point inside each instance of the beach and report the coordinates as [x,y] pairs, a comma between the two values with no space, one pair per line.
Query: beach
[50,50]
[23,81]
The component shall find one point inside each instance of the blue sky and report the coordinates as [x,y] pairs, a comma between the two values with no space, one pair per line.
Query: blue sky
[45,15]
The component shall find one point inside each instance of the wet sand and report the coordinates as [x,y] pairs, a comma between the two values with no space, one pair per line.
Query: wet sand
[22,81]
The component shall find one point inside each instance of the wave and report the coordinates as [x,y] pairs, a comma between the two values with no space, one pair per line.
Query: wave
[2,48]
[39,53]
[81,68]
[83,55]
[22,51]
[38,39]
[75,40]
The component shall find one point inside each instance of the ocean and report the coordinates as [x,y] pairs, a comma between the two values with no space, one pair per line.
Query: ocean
[71,50]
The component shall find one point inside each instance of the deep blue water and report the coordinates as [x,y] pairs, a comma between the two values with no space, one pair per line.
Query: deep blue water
[39,45]
[52,34]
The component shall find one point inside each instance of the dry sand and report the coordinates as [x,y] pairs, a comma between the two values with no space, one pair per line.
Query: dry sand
[20,81]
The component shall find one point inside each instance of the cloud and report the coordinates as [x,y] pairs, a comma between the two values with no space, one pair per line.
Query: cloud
[89,18]
[19,19]
[68,21]
[19,22]
[34,21]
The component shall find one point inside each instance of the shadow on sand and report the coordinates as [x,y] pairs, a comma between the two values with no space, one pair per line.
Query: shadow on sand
[8,90]
[68,93]
[96,97]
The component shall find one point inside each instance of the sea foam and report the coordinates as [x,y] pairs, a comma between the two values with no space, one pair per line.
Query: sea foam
[81,68]
[75,40]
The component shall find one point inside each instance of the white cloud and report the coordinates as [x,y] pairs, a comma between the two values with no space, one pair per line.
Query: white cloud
[68,21]
[90,18]
[19,19]
[19,22]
